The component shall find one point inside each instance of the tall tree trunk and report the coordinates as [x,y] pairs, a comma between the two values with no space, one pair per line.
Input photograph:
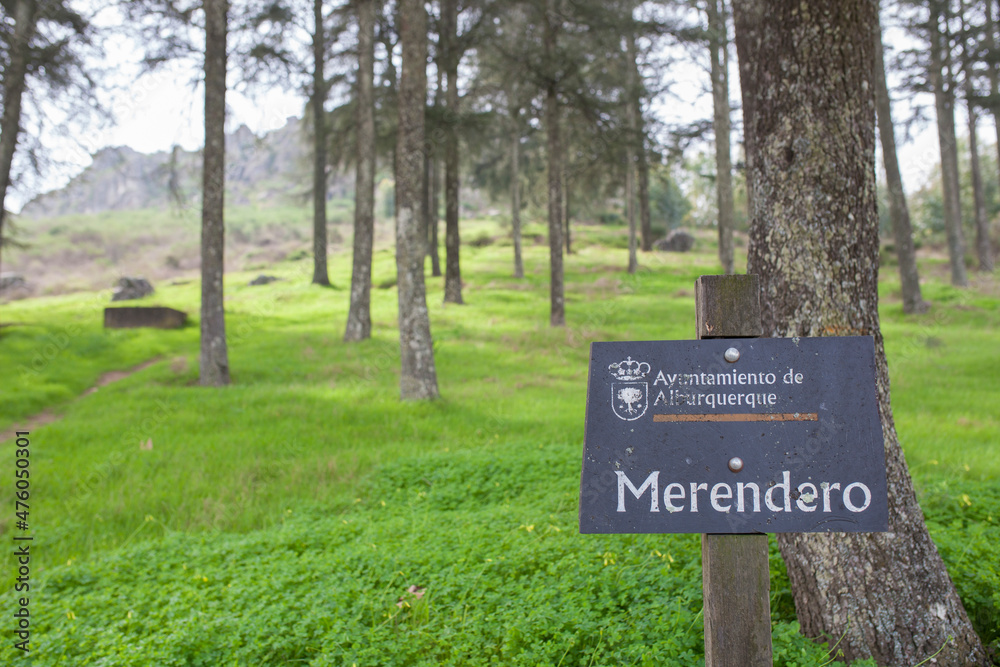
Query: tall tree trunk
[418,379]
[632,108]
[452,242]
[902,232]
[718,42]
[566,188]
[320,274]
[557,312]
[984,249]
[13,89]
[942,83]
[390,76]
[633,262]
[642,167]
[641,161]
[214,366]
[991,45]
[435,246]
[515,192]
[814,244]
[435,243]
[359,318]
[425,199]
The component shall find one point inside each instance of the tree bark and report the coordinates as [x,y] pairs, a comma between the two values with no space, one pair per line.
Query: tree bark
[942,82]
[418,379]
[809,113]
[359,319]
[435,242]
[564,177]
[633,262]
[984,252]
[320,274]
[984,249]
[991,45]
[434,248]
[13,89]
[902,231]
[718,42]
[642,167]
[427,183]
[515,192]
[638,126]
[214,363]
[557,309]
[631,113]
[452,242]
[385,37]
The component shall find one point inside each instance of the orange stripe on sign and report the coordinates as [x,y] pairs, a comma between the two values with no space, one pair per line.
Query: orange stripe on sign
[742,417]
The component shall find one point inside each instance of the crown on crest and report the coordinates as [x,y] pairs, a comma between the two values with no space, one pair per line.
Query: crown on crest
[629,369]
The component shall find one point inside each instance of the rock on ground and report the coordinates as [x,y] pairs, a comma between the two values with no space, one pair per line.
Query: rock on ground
[676,241]
[131,288]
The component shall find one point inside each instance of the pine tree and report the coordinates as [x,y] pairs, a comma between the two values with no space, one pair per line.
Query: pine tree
[359,319]
[814,244]
[214,350]
[418,379]
[913,301]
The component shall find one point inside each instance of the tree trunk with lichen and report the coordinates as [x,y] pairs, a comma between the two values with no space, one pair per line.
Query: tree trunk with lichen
[418,379]
[214,361]
[809,117]
[359,318]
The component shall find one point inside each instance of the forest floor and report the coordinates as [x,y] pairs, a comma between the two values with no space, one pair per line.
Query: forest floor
[304,515]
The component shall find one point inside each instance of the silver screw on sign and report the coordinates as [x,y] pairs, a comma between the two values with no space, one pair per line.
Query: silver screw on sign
[736,464]
[732,355]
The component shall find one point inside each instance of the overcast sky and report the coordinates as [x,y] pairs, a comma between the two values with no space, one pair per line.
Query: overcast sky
[158,110]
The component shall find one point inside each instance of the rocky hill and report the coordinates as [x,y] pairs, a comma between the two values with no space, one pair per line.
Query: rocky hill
[273,168]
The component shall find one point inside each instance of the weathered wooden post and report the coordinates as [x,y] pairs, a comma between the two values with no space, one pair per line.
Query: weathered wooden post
[736,583]
[733,436]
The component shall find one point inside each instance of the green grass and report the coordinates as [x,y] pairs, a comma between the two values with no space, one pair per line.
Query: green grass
[282,519]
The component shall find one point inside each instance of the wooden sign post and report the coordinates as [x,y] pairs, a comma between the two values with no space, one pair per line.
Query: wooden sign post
[735,578]
[733,436]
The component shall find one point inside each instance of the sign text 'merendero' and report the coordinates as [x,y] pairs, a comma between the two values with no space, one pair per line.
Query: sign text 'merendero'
[733,436]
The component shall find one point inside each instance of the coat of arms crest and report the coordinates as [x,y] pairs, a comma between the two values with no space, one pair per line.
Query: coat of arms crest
[629,394]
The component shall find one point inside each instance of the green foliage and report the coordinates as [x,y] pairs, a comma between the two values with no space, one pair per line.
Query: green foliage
[667,201]
[927,206]
[610,218]
[286,518]
[487,538]
[480,240]
[964,520]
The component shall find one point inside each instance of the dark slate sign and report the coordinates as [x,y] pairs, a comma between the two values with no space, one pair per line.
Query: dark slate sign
[748,435]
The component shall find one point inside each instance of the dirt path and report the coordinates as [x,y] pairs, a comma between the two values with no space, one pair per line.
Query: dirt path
[47,416]
[115,376]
